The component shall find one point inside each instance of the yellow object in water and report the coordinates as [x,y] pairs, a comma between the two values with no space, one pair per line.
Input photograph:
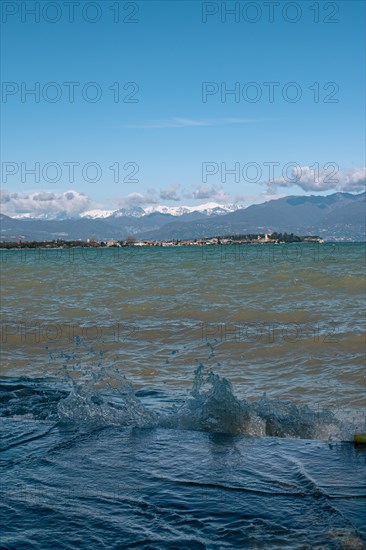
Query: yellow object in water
[360,439]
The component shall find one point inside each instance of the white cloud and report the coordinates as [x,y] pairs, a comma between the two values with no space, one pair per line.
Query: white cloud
[329,177]
[170,194]
[355,179]
[137,199]
[44,204]
[203,191]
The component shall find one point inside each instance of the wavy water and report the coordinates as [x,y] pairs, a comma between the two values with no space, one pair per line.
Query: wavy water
[183,399]
[94,465]
[210,406]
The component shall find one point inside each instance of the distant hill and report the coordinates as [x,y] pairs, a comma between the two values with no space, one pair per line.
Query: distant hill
[340,216]
[337,216]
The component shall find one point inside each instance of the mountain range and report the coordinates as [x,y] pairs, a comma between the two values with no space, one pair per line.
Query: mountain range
[340,216]
[208,209]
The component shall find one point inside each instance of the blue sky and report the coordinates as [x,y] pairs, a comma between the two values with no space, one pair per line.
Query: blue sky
[167,134]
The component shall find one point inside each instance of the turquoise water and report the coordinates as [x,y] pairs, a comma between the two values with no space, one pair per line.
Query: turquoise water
[199,397]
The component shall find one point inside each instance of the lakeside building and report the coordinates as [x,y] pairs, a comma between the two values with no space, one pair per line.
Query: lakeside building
[275,238]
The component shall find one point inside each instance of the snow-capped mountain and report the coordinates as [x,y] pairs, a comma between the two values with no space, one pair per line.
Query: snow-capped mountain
[96,214]
[339,216]
[135,212]
[208,209]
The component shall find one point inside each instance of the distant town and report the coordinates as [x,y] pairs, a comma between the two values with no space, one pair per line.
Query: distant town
[265,238]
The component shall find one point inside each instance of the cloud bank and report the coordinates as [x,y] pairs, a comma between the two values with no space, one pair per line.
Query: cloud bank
[44,204]
[321,179]
[170,194]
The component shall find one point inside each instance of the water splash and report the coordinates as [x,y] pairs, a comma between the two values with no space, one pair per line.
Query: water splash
[103,397]
[89,392]
[211,406]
